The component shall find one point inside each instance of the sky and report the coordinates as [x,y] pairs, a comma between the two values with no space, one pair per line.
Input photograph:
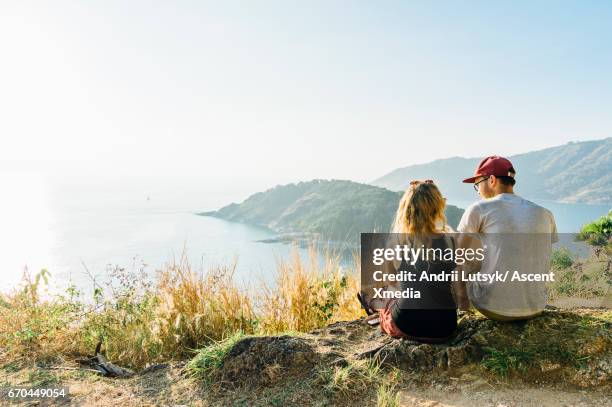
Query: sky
[256,94]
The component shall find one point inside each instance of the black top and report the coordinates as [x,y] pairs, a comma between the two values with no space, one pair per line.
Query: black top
[434,315]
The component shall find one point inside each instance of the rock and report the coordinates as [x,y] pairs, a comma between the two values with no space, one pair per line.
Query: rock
[457,356]
[265,359]
[558,344]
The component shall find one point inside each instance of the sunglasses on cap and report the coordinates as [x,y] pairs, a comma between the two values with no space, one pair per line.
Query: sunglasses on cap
[416,182]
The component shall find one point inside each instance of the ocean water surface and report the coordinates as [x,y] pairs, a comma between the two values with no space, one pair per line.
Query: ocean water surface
[76,230]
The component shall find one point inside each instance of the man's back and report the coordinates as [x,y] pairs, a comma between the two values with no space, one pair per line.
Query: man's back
[518,235]
[507,213]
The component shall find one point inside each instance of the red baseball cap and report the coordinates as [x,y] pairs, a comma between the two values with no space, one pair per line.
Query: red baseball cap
[493,165]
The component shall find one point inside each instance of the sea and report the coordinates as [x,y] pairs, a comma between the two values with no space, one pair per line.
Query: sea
[79,230]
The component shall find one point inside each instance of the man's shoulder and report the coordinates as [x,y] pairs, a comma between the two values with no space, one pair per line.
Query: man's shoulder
[538,207]
[503,200]
[471,219]
[482,205]
[522,205]
[475,205]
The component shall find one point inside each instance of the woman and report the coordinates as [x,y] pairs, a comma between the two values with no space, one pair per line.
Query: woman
[420,222]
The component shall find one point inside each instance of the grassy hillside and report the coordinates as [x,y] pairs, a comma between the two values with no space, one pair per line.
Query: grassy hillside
[574,172]
[334,209]
[195,337]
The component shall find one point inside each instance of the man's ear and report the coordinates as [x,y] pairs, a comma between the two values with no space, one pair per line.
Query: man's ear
[493,180]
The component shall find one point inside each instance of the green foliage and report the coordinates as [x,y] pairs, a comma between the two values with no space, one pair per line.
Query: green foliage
[209,360]
[599,232]
[503,361]
[387,396]
[582,280]
[126,326]
[41,378]
[30,327]
[556,339]
[356,375]
[327,307]
[573,172]
[566,282]
[335,209]
[139,321]
[561,258]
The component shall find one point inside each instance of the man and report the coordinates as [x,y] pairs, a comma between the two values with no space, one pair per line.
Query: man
[516,234]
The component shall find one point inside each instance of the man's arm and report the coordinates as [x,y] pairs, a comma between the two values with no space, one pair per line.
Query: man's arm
[554,238]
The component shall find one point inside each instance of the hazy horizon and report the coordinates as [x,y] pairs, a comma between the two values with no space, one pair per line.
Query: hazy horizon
[250,96]
[121,119]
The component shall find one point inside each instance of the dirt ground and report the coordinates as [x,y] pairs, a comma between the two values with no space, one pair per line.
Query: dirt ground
[292,380]
[501,396]
[167,387]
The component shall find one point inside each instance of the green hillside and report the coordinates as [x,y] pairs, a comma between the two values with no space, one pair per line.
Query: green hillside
[574,172]
[333,209]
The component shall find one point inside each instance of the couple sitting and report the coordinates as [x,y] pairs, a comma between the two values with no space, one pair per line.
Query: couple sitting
[502,222]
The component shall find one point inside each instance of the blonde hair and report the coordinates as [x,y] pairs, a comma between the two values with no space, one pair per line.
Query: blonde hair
[420,211]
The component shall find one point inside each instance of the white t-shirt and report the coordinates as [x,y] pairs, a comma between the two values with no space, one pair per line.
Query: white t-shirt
[518,235]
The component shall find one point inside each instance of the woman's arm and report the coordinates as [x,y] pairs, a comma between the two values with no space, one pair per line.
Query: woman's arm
[459,288]
[460,295]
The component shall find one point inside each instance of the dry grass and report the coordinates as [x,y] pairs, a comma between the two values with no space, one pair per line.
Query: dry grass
[309,295]
[581,279]
[140,322]
[195,309]
[357,375]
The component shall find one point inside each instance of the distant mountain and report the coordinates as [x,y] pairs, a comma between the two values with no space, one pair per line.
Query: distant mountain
[337,210]
[578,172]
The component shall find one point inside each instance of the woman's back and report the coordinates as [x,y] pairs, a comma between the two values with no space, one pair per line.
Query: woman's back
[434,314]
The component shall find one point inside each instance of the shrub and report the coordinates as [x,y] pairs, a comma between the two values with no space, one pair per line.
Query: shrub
[209,359]
[561,258]
[582,280]
[140,322]
[599,232]
[32,328]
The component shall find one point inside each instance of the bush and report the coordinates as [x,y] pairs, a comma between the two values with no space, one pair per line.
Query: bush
[141,322]
[210,359]
[582,280]
[125,324]
[561,258]
[599,232]
[35,329]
